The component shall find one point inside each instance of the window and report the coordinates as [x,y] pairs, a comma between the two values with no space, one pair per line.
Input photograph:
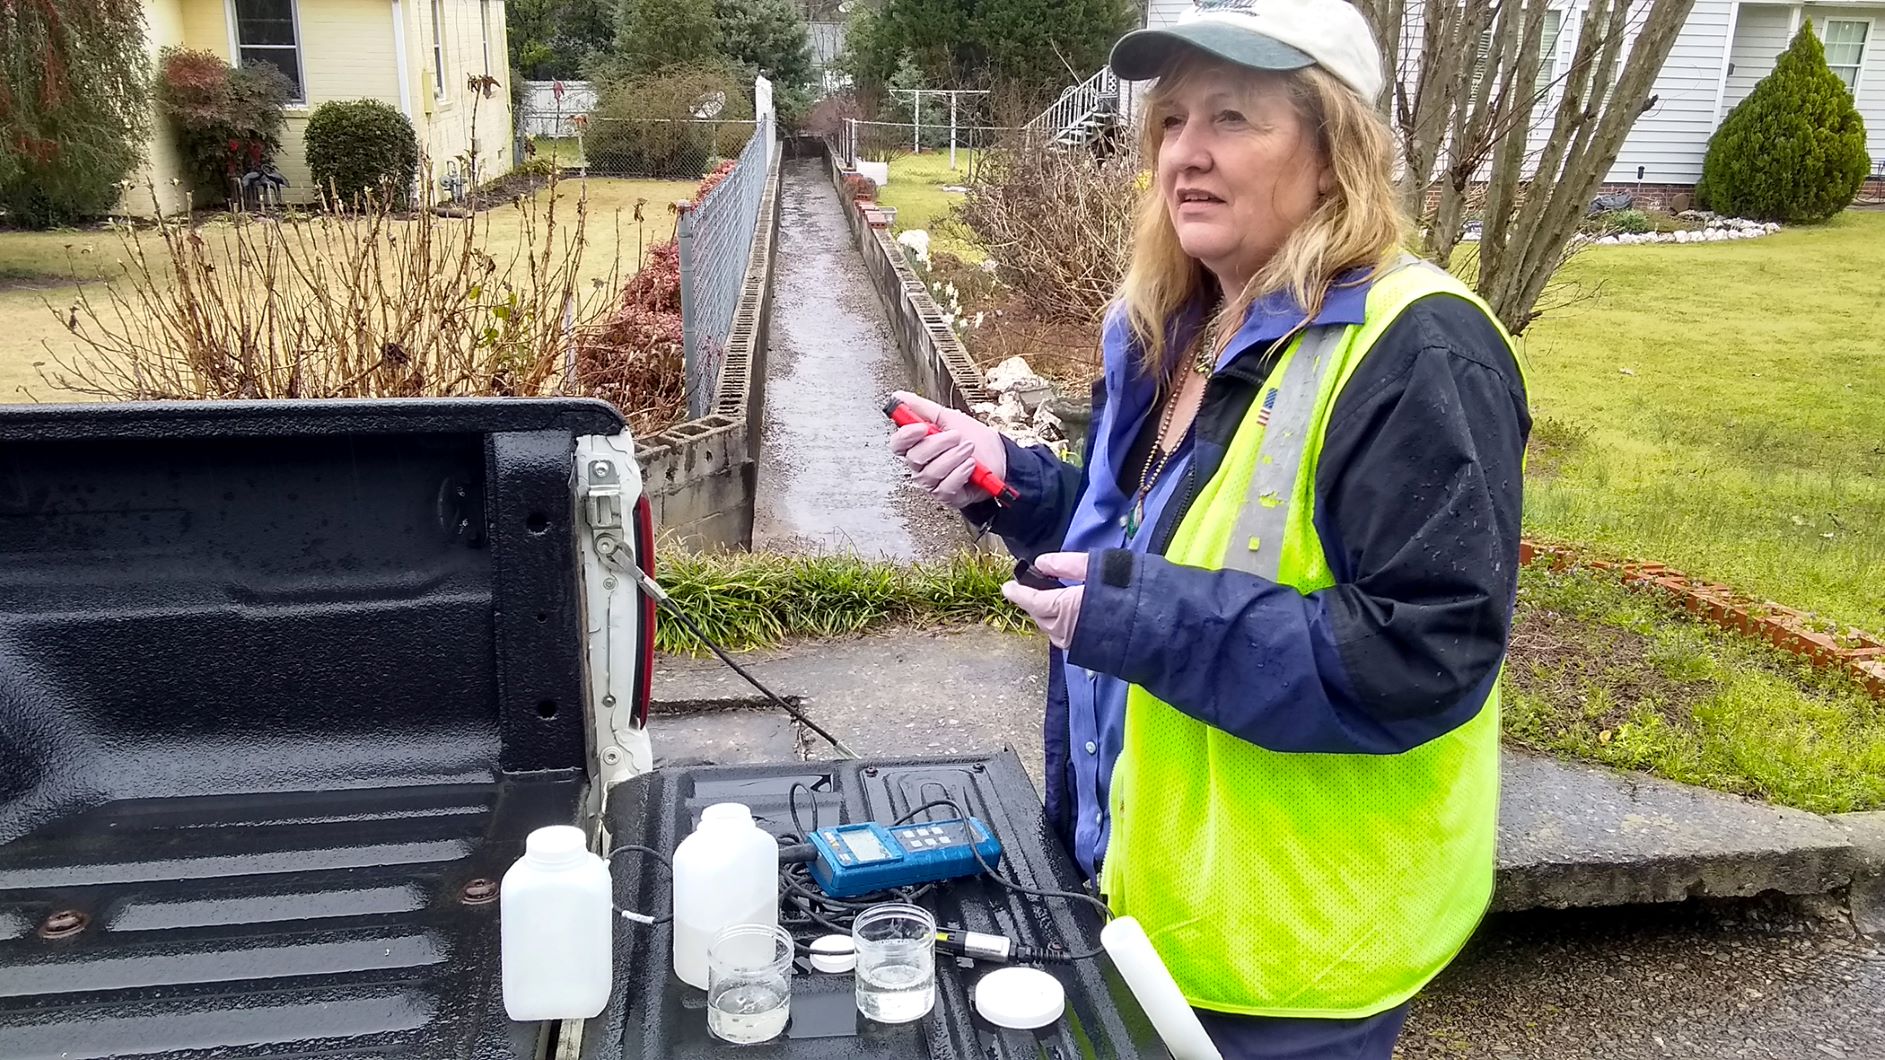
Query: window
[438,49]
[484,27]
[265,33]
[1845,48]
[1548,53]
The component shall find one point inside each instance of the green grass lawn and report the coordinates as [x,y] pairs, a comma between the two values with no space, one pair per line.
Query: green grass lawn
[38,268]
[566,151]
[1721,408]
[915,189]
[1612,675]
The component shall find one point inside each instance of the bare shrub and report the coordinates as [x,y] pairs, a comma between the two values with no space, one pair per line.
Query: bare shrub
[359,301]
[1057,223]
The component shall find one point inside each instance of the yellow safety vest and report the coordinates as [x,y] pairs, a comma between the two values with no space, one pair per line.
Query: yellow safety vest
[1306,885]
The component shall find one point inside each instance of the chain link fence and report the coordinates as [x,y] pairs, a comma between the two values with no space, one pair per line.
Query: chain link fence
[567,132]
[659,149]
[716,241]
[884,141]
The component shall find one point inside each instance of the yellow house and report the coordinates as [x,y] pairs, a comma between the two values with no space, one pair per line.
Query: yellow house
[416,55]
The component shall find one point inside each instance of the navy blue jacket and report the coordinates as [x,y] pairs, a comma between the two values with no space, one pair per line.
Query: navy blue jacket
[1417,503]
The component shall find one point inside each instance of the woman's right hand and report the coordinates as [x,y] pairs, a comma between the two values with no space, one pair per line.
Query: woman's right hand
[942,462]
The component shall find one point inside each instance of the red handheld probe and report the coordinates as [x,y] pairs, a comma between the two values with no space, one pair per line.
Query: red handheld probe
[990,482]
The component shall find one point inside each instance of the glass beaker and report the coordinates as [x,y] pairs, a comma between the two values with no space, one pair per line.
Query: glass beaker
[749,983]
[896,962]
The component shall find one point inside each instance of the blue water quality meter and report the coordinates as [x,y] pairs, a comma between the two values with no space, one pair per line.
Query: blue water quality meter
[859,859]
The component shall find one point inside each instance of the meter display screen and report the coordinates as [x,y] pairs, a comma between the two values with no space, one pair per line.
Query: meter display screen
[864,845]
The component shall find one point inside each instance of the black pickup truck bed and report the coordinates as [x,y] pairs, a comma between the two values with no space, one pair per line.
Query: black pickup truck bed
[277,682]
[283,686]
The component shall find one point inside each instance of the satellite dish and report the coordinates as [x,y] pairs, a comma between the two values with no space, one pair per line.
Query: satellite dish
[710,105]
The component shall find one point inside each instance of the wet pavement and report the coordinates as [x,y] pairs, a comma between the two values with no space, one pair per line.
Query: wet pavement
[1766,980]
[826,481]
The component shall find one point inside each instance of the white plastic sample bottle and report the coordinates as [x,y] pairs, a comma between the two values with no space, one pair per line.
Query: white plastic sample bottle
[726,873]
[556,915]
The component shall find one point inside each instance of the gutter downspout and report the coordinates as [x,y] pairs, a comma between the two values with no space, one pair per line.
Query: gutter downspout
[404,73]
[399,59]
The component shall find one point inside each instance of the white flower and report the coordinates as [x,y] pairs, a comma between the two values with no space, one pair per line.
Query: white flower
[917,241]
[951,288]
[988,264]
[978,320]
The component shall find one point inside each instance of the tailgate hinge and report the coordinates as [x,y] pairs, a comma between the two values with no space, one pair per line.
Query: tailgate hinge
[608,482]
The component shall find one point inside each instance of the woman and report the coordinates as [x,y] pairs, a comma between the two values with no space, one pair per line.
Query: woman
[1287,564]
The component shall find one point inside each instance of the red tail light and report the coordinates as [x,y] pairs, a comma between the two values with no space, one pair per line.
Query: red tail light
[645,559]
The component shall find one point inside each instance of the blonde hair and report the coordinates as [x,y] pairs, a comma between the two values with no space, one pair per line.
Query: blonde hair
[1359,224]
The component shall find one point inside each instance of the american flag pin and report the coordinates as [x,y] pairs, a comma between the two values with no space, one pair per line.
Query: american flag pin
[1269,405]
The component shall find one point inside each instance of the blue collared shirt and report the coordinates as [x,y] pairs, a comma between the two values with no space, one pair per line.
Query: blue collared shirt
[1097,702]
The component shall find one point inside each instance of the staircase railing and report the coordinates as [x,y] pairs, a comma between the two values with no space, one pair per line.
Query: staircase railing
[1075,104]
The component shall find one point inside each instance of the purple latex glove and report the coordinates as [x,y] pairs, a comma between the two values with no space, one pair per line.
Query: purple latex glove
[942,462]
[1054,610]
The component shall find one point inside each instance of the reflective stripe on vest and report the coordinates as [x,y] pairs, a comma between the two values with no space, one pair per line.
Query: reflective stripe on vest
[1265,515]
[1283,884]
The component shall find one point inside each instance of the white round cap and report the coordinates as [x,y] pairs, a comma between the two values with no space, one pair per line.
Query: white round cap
[834,953]
[1263,35]
[558,842]
[727,813]
[1021,999]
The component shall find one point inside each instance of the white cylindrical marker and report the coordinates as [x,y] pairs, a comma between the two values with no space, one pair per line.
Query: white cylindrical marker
[1139,964]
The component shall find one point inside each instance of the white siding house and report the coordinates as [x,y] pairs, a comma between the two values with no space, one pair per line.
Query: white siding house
[1724,49]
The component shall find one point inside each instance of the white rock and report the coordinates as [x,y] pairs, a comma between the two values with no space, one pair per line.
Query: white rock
[1005,375]
[1685,237]
[1607,241]
[1048,425]
[1010,408]
[1716,235]
[1773,226]
[983,410]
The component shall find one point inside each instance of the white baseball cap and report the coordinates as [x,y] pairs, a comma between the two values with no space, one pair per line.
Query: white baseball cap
[1262,35]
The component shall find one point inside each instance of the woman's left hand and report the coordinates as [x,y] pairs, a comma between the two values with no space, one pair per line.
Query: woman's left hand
[1054,610]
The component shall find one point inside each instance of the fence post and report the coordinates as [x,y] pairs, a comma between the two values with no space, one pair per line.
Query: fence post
[850,161]
[690,312]
[916,127]
[952,131]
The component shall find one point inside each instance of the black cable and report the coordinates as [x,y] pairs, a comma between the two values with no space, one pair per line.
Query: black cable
[661,597]
[792,804]
[658,856]
[1106,913]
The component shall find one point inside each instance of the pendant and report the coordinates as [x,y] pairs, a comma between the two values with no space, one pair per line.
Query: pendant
[1133,517]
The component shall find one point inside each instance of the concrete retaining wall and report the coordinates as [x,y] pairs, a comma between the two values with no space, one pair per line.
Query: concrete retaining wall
[944,371]
[699,476]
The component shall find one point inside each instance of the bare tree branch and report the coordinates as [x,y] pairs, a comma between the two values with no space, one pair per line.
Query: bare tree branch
[1468,125]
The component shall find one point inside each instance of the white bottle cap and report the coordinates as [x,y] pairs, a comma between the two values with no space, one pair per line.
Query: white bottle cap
[834,953]
[726,813]
[556,843]
[1021,999]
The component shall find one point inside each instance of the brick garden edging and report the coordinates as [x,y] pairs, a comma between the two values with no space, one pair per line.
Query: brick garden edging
[1859,653]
